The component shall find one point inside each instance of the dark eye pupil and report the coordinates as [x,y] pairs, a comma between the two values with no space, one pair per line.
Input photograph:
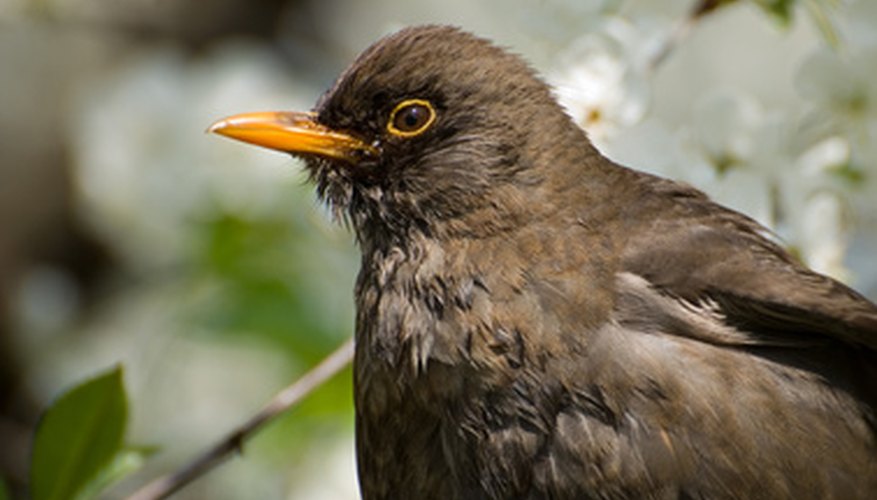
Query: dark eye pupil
[411,118]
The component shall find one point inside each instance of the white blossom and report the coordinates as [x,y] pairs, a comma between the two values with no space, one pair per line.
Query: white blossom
[144,165]
[600,79]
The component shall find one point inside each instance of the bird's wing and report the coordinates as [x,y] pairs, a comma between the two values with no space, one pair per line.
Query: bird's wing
[712,260]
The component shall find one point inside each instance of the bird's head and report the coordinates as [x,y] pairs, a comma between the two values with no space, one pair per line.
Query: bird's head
[430,129]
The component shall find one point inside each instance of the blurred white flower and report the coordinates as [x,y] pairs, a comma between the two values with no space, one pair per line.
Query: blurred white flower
[726,140]
[840,164]
[863,159]
[816,213]
[823,236]
[857,21]
[144,166]
[824,155]
[725,128]
[600,79]
[842,89]
[756,166]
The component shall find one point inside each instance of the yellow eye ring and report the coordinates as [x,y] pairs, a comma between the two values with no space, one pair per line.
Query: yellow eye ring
[411,117]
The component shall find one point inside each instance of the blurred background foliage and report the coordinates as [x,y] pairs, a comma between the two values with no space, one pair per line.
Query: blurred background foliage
[208,270]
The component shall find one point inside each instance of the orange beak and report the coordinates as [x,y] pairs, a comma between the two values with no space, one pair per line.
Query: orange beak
[293,132]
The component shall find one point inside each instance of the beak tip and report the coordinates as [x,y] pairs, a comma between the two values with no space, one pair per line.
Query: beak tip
[216,127]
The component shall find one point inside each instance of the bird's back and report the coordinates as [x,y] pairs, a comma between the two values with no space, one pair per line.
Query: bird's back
[632,367]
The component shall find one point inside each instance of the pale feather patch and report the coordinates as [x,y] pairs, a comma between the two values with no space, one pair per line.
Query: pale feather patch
[641,304]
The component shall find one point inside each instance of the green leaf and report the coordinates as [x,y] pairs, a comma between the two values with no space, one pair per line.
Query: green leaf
[78,436]
[125,462]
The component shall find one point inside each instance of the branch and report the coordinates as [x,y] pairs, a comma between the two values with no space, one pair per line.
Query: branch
[165,485]
[683,28]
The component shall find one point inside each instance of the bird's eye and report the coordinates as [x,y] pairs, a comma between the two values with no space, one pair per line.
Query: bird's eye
[411,117]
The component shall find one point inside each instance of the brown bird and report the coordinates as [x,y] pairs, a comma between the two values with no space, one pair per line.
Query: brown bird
[535,321]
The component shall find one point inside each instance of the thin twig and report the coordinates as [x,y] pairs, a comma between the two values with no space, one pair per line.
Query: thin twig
[165,485]
[683,28]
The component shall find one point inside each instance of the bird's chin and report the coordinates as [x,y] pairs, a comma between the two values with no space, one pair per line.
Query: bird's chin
[333,182]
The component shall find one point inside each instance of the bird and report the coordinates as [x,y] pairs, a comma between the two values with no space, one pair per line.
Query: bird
[535,321]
